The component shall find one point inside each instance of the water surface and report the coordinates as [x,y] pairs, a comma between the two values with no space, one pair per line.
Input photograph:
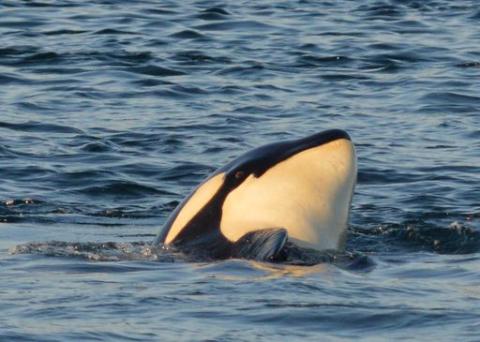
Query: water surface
[112,111]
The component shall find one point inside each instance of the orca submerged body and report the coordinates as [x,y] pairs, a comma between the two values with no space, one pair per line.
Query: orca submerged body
[297,190]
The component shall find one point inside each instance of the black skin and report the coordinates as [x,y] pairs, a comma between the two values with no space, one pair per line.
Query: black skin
[202,234]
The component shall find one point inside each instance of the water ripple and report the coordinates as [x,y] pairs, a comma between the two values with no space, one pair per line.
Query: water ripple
[39,127]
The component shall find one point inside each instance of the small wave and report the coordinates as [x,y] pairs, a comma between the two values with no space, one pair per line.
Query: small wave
[199,57]
[122,189]
[456,238]
[113,31]
[388,176]
[246,25]
[29,173]
[379,10]
[158,11]
[188,34]
[217,10]
[21,24]
[451,98]
[404,56]
[154,70]
[312,60]
[82,176]
[214,13]
[355,261]
[40,127]
[9,78]
[31,106]
[37,211]
[344,77]
[469,65]
[41,57]
[23,201]
[62,32]
[130,57]
[129,213]
[211,16]
[185,170]
[59,4]
[149,82]
[475,16]
[16,50]
[96,147]
[98,251]
[145,141]
[59,71]
[248,69]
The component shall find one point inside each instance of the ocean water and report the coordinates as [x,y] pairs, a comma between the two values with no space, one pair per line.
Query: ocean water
[112,111]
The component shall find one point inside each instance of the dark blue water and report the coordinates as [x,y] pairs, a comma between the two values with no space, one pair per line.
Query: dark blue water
[112,111]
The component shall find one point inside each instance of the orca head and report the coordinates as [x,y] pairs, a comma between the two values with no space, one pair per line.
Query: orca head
[305,186]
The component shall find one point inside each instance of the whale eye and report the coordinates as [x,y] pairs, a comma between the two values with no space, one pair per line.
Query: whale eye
[239,174]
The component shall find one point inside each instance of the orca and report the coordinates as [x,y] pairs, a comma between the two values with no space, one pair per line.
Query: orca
[298,191]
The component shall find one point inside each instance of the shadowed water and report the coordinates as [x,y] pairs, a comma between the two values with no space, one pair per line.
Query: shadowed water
[112,111]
